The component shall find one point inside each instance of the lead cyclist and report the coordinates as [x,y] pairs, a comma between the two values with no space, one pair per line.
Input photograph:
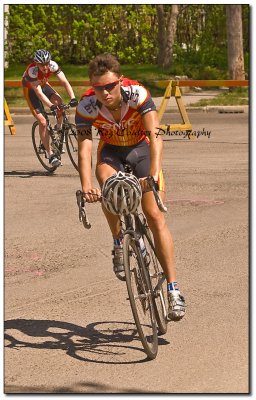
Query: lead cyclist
[125,115]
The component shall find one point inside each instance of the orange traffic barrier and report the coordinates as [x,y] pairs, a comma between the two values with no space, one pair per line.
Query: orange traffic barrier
[11,83]
[203,83]
[172,89]
[8,119]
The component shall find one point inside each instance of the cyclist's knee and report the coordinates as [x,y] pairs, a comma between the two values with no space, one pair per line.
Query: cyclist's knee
[155,218]
[56,99]
[42,121]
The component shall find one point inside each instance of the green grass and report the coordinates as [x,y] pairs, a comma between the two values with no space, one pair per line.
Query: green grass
[146,74]
[237,96]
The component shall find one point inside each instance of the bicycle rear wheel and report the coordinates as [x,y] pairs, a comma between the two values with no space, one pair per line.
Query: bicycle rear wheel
[39,148]
[72,145]
[140,295]
[157,278]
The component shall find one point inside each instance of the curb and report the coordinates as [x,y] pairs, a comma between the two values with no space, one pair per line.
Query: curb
[220,109]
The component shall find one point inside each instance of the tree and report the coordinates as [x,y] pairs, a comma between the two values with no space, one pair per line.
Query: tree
[235,42]
[167,26]
[6,27]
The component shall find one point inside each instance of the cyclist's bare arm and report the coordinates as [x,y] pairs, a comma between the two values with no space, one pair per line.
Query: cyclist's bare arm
[151,124]
[63,80]
[39,92]
[84,164]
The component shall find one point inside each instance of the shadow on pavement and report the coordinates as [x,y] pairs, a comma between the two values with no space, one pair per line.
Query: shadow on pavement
[31,174]
[111,342]
[28,174]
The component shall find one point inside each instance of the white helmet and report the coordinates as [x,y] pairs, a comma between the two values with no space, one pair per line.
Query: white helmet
[121,193]
[42,56]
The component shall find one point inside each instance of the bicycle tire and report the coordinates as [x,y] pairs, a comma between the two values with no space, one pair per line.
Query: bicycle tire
[39,148]
[72,144]
[156,274]
[140,295]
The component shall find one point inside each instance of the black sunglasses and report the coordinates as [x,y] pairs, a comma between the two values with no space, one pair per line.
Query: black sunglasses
[108,86]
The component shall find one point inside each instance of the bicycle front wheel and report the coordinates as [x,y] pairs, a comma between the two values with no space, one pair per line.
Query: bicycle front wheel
[72,145]
[39,148]
[140,295]
[157,280]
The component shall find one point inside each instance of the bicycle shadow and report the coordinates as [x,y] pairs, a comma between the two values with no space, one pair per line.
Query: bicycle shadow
[106,342]
[31,174]
[28,174]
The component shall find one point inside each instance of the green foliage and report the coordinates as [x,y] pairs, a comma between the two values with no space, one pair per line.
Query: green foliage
[76,33]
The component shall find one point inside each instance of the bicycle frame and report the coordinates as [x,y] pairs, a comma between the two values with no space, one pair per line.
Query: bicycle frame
[66,134]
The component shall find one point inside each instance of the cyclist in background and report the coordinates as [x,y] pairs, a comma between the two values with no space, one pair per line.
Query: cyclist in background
[37,89]
[125,115]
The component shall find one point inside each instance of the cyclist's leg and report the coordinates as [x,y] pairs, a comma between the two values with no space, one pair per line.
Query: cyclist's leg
[139,159]
[107,165]
[161,233]
[56,99]
[162,236]
[36,109]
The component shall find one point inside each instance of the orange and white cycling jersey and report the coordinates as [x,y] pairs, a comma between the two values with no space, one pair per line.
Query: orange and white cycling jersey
[130,130]
[34,74]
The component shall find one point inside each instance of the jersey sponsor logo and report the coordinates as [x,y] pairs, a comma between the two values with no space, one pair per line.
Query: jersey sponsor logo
[33,72]
[133,96]
[132,127]
[53,66]
[90,106]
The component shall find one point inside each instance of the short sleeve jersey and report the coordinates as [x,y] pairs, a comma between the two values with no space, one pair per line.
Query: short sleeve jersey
[33,74]
[137,101]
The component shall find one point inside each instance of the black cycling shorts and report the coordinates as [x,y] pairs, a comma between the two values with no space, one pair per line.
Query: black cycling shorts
[137,156]
[33,101]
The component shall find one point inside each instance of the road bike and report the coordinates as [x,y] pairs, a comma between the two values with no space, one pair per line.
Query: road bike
[66,135]
[143,275]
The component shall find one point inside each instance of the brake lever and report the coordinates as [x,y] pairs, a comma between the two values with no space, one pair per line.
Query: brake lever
[81,206]
[158,199]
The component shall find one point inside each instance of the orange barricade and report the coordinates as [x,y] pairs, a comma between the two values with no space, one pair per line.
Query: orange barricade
[8,119]
[171,89]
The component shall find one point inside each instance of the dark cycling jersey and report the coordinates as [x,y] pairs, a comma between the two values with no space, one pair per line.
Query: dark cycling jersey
[130,129]
[34,74]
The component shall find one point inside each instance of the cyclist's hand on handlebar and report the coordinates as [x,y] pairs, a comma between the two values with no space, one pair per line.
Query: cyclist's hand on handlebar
[145,186]
[54,108]
[92,195]
[73,102]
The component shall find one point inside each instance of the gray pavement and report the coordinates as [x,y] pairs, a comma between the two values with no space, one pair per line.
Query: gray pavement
[68,324]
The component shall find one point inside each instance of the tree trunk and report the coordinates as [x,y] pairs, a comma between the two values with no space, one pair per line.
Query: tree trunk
[161,34]
[171,33]
[235,42]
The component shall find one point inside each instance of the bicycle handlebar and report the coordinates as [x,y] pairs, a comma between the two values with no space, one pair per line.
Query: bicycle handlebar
[60,107]
[81,202]
[81,205]
[158,199]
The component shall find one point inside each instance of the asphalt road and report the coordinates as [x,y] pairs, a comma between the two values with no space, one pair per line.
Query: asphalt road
[68,325]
